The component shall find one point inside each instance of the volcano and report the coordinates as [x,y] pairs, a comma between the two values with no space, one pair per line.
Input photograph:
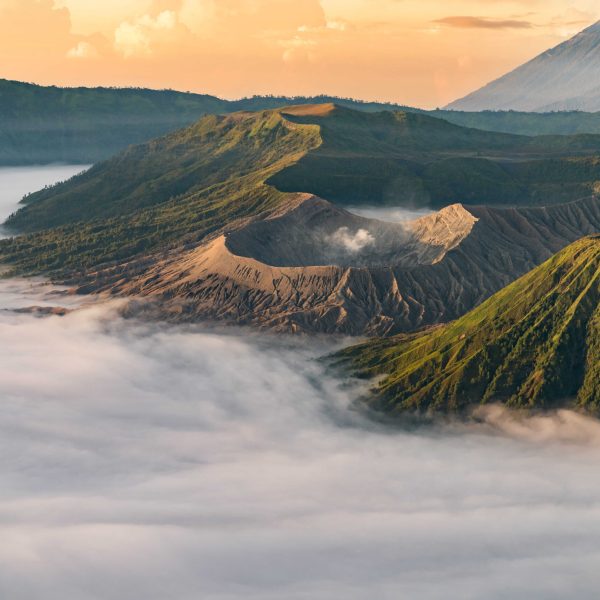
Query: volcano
[566,77]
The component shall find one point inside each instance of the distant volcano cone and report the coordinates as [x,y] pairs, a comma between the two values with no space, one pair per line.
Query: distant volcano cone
[566,77]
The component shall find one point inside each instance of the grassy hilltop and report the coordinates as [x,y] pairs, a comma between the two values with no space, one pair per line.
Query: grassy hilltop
[176,189]
[535,344]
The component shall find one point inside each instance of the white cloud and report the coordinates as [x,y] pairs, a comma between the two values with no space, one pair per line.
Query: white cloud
[337,25]
[198,15]
[392,214]
[298,49]
[329,26]
[83,50]
[135,37]
[165,20]
[131,40]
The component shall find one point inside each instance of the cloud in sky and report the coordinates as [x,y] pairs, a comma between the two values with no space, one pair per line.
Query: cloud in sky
[83,50]
[132,38]
[140,461]
[466,22]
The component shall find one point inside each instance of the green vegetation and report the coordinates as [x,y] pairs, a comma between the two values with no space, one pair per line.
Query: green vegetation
[415,160]
[174,168]
[195,181]
[85,125]
[535,344]
[171,191]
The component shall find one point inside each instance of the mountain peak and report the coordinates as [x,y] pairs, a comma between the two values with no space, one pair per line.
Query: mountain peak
[565,77]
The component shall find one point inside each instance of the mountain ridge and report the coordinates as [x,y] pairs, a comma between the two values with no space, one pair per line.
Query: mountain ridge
[240,218]
[85,125]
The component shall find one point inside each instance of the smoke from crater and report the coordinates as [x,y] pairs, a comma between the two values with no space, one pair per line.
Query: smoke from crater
[351,242]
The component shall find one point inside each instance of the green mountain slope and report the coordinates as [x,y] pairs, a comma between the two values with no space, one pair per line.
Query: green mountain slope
[190,183]
[535,344]
[175,190]
[210,153]
[85,125]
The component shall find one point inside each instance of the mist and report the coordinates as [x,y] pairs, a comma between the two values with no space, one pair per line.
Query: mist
[392,214]
[15,182]
[142,461]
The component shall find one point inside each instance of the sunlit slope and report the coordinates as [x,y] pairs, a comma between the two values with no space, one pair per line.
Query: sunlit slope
[336,153]
[173,190]
[535,344]
[187,184]
[213,151]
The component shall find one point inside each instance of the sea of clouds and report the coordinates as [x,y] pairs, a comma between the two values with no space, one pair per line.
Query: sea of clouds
[142,461]
[146,461]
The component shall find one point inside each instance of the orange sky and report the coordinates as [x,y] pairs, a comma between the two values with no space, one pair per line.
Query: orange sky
[417,52]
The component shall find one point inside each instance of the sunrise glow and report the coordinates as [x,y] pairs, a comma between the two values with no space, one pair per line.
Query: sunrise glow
[418,52]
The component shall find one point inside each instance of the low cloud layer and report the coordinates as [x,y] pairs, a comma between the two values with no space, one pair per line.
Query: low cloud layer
[143,461]
[15,182]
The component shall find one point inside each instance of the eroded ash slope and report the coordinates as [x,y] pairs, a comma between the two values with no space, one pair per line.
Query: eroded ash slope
[318,268]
